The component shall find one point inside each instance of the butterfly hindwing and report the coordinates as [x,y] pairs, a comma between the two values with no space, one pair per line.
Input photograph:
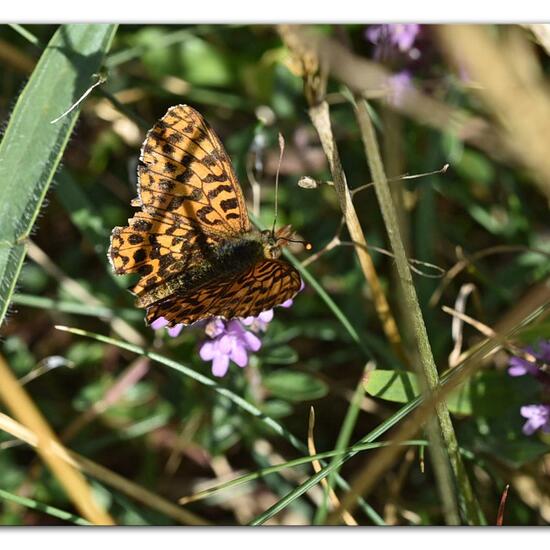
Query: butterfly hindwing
[261,287]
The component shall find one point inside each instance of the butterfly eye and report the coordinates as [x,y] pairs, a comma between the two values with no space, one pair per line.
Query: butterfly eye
[266,232]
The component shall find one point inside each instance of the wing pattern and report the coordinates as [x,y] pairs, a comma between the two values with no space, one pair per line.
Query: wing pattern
[192,208]
[259,288]
[190,199]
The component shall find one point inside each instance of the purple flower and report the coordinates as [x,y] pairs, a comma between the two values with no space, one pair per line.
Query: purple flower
[400,37]
[259,324]
[230,341]
[161,322]
[519,366]
[538,417]
[398,85]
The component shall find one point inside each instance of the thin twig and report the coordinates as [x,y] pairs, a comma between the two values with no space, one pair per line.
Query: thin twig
[465,262]
[502,504]
[490,333]
[458,324]
[101,79]
[320,118]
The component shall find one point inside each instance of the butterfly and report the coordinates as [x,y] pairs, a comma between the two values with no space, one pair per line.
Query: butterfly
[192,243]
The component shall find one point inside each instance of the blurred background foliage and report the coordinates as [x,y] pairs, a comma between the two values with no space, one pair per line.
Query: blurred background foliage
[174,436]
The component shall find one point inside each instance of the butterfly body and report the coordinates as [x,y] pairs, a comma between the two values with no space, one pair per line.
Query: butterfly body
[229,257]
[192,242]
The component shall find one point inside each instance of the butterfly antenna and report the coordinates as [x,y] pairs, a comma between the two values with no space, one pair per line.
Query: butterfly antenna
[281,151]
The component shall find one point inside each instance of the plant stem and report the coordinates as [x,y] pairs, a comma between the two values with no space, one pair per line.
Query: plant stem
[423,357]
[320,118]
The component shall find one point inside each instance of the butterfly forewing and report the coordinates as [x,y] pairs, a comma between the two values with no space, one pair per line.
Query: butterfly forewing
[186,173]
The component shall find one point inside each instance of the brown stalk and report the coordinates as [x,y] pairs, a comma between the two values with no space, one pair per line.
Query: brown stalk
[103,474]
[346,516]
[71,479]
[308,65]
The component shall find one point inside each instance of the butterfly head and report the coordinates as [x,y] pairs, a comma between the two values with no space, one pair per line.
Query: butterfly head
[274,241]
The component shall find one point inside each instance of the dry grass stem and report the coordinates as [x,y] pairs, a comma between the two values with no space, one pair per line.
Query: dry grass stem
[346,516]
[104,475]
[49,448]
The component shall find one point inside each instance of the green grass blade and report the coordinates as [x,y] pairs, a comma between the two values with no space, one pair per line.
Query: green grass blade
[342,441]
[50,510]
[32,146]
[291,464]
[448,377]
[335,463]
[239,401]
[76,308]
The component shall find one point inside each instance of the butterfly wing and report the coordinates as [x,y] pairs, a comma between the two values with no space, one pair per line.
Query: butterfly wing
[190,197]
[264,285]
[186,173]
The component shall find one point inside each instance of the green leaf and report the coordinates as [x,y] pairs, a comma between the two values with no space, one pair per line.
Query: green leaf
[474,166]
[281,355]
[392,385]
[294,386]
[487,393]
[190,57]
[32,146]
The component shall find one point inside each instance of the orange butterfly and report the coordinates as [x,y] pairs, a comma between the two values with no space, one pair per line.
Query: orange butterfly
[192,242]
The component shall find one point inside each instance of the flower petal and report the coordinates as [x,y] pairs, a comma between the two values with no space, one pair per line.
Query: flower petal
[266,316]
[251,341]
[519,367]
[220,364]
[159,323]
[529,428]
[238,354]
[208,350]
[538,416]
[225,343]
[175,330]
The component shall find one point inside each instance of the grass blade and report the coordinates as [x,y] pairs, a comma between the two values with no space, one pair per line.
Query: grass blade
[32,147]
[238,400]
[290,464]
[41,507]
